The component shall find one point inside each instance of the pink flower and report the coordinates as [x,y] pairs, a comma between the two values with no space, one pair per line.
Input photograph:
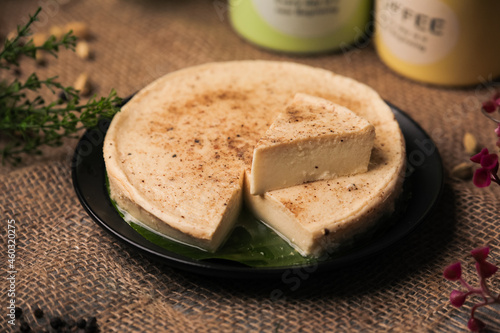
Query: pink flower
[457,298]
[493,104]
[485,269]
[490,106]
[482,178]
[453,272]
[477,158]
[496,98]
[489,168]
[475,325]
[489,162]
[481,253]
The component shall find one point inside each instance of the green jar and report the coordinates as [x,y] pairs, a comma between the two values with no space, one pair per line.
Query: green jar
[301,26]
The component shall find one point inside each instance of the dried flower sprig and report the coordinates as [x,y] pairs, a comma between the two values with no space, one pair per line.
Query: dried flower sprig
[484,270]
[27,123]
[488,172]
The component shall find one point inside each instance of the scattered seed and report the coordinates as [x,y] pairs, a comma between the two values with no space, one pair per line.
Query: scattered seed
[11,35]
[56,31]
[18,312]
[462,171]
[62,96]
[81,323]
[71,323]
[82,50]
[38,313]
[25,327]
[80,29]
[92,326]
[40,57]
[57,323]
[470,144]
[82,84]
[39,39]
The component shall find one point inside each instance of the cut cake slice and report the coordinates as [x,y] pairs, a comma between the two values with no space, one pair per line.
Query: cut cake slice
[313,139]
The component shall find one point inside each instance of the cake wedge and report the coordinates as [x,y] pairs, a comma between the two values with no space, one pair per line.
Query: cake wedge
[312,139]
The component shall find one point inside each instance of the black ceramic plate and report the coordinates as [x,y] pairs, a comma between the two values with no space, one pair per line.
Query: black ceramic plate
[424,173]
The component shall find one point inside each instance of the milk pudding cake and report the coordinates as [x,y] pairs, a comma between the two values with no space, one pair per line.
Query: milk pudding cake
[179,155]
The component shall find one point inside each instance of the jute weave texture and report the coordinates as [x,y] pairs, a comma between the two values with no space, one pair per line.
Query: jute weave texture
[69,266]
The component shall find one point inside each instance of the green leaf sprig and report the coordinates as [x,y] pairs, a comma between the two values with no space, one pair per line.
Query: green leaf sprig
[28,123]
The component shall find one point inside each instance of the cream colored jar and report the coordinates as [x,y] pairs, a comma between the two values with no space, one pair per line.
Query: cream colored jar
[443,42]
[301,26]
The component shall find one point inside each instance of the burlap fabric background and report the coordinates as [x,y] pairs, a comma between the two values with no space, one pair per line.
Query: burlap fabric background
[69,266]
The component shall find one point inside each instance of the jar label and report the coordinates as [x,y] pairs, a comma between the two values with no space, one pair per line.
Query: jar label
[417,31]
[306,18]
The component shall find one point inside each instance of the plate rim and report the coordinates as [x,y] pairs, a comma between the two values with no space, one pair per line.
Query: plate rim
[218,269]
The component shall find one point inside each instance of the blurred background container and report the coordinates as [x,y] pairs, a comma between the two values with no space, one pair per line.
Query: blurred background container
[300,26]
[443,42]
